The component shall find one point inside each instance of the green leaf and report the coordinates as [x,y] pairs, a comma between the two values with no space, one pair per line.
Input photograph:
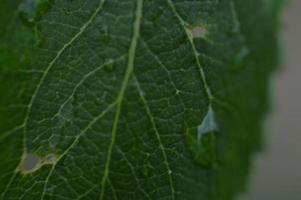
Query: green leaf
[132,99]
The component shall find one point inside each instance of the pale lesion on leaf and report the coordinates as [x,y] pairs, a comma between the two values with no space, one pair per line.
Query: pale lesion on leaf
[197,31]
[31,162]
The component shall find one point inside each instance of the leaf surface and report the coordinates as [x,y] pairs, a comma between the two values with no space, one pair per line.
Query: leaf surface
[132,99]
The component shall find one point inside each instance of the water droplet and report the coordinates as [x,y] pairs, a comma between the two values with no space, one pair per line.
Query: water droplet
[67,12]
[104,35]
[109,66]
[201,140]
[57,95]
[238,60]
[32,10]
[40,39]
[98,101]
[42,7]
[141,100]
[147,169]
[50,189]
[156,16]
[197,31]
[26,19]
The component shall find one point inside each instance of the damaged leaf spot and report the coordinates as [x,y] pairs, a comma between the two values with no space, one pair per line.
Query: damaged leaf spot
[31,162]
[49,159]
[202,140]
[197,31]
[31,11]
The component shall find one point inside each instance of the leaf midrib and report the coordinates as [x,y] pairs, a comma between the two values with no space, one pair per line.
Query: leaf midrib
[128,73]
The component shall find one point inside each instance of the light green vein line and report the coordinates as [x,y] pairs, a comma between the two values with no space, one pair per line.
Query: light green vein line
[8,133]
[3,136]
[59,53]
[133,172]
[150,116]
[128,73]
[82,196]
[113,190]
[161,64]
[76,140]
[15,171]
[9,183]
[80,83]
[196,54]
[50,65]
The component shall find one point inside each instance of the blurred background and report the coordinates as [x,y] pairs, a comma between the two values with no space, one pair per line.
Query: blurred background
[276,174]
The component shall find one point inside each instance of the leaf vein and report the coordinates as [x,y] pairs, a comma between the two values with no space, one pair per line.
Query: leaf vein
[128,73]
[75,141]
[133,172]
[153,123]
[53,61]
[196,53]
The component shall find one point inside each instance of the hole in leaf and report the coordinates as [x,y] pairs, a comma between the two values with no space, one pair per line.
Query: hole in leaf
[202,142]
[30,162]
[208,124]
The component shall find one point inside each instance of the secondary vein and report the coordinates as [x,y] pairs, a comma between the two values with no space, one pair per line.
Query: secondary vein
[72,145]
[80,83]
[209,94]
[196,54]
[59,53]
[152,120]
[128,73]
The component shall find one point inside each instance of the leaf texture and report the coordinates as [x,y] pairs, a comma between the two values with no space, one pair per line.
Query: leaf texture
[133,99]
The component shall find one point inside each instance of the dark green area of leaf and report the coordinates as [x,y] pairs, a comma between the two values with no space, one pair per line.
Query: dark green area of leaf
[122,100]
